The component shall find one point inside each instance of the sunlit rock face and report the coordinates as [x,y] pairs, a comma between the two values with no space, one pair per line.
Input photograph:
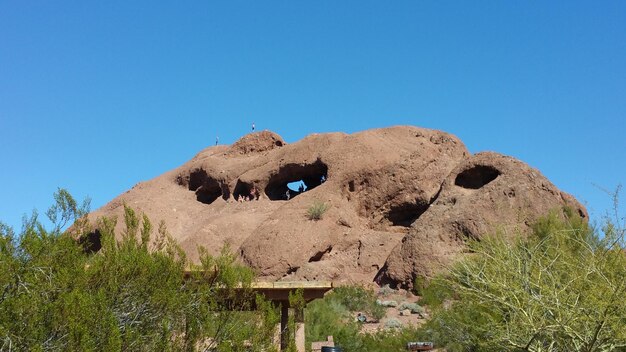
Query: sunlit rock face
[402,201]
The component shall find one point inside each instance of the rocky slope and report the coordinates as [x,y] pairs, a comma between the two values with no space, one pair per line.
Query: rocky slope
[402,202]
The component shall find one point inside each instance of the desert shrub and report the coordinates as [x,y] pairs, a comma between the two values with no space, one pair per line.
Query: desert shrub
[437,292]
[560,288]
[390,303]
[393,323]
[317,210]
[335,315]
[128,296]
[359,299]
[392,339]
[329,316]
[413,307]
[419,285]
[385,291]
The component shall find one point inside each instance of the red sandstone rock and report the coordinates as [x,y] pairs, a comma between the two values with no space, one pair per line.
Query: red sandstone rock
[486,193]
[404,196]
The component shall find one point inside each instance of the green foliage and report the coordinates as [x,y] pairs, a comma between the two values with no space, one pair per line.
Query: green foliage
[297,303]
[335,315]
[393,340]
[419,285]
[393,323]
[387,303]
[65,209]
[129,296]
[559,289]
[358,299]
[317,210]
[436,292]
[328,316]
[413,307]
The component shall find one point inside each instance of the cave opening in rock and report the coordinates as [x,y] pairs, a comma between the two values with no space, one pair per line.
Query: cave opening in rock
[245,189]
[91,242]
[406,213]
[290,178]
[476,177]
[206,187]
[382,278]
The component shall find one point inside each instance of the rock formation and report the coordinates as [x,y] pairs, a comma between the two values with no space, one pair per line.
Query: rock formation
[402,202]
[485,193]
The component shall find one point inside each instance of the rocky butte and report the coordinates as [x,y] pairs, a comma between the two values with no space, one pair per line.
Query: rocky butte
[402,201]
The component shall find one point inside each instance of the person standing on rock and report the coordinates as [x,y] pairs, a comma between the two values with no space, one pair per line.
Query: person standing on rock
[287,194]
[253,127]
[217,140]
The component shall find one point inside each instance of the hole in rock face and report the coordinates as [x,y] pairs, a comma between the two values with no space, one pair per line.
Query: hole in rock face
[476,177]
[297,186]
[91,242]
[319,254]
[383,279]
[207,188]
[244,189]
[302,177]
[405,214]
[225,191]
[291,270]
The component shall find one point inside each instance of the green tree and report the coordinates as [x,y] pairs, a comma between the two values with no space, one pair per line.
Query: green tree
[138,292]
[560,288]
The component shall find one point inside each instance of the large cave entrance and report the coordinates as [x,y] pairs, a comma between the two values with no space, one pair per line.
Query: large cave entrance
[293,179]
[206,187]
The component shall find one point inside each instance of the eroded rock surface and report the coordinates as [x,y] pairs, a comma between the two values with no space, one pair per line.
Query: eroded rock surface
[402,201]
[485,193]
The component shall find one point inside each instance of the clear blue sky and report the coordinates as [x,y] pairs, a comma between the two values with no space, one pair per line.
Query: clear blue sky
[97,96]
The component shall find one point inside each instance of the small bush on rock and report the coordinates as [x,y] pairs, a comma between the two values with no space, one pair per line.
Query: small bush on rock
[316,210]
